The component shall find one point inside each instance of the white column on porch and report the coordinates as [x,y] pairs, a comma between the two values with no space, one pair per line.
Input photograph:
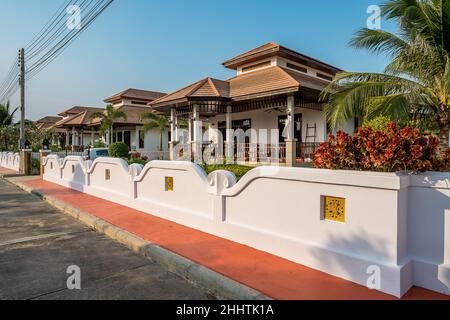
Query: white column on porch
[229,137]
[173,137]
[74,138]
[92,137]
[197,143]
[137,137]
[190,139]
[67,138]
[291,142]
[82,138]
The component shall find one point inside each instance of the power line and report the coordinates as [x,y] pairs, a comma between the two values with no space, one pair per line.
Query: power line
[13,70]
[51,41]
[38,48]
[45,28]
[54,52]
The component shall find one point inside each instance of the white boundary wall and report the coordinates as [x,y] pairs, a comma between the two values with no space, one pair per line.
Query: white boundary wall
[397,222]
[10,160]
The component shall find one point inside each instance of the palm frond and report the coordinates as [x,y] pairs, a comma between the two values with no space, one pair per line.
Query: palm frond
[378,41]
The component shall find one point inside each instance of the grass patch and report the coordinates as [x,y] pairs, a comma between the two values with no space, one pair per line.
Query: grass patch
[238,170]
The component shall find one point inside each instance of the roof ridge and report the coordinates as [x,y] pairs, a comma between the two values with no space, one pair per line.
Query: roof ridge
[197,86]
[281,69]
[174,92]
[213,85]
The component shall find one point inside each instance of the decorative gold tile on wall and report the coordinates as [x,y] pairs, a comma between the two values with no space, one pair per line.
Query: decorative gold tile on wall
[169,184]
[334,209]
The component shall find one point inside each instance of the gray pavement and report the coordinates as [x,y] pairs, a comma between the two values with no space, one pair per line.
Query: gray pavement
[38,243]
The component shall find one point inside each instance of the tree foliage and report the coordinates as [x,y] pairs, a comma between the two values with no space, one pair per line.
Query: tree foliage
[416,83]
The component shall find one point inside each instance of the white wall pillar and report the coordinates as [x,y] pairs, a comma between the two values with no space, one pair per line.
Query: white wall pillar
[92,136]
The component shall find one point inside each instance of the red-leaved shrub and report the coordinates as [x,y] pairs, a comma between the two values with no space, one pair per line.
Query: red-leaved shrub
[392,150]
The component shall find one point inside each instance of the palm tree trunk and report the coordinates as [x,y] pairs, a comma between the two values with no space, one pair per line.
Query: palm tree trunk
[444,135]
[161,141]
[111,135]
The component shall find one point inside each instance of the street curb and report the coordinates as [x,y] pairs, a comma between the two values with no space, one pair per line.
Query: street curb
[215,283]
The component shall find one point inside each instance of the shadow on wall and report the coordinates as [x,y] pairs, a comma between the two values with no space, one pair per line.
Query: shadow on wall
[429,231]
[366,249]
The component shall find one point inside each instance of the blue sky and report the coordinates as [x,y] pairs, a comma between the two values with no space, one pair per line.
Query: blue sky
[162,45]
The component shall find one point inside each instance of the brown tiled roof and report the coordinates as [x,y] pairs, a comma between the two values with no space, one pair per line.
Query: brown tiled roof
[261,82]
[79,119]
[265,48]
[76,110]
[133,115]
[208,87]
[272,49]
[46,122]
[49,119]
[135,94]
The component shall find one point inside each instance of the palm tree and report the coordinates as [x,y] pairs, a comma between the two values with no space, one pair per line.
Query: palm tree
[108,117]
[154,121]
[6,120]
[415,86]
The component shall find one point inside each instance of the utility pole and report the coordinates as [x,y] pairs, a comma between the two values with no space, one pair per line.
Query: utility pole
[22,97]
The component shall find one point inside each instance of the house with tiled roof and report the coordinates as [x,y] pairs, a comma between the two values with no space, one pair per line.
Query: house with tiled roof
[269,110]
[73,128]
[134,102]
[47,122]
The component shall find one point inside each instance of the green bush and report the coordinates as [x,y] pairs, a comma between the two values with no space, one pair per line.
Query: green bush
[99,144]
[137,160]
[378,124]
[36,165]
[238,170]
[54,148]
[119,150]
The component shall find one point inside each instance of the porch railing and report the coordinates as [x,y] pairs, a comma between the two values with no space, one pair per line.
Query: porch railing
[306,151]
[156,155]
[252,153]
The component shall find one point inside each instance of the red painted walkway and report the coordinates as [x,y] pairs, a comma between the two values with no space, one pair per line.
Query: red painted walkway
[269,274]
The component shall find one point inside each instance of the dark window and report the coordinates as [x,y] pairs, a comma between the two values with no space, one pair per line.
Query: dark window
[256,66]
[141,141]
[142,103]
[296,67]
[119,136]
[324,76]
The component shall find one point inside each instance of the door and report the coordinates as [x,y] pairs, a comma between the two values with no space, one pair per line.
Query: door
[127,138]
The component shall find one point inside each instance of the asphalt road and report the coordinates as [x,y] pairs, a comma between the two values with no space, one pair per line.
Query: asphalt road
[38,244]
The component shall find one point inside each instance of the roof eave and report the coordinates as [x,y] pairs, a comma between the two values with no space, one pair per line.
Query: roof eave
[290,90]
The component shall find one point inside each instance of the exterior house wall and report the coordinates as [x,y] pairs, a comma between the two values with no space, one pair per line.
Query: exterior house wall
[396,223]
[282,62]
